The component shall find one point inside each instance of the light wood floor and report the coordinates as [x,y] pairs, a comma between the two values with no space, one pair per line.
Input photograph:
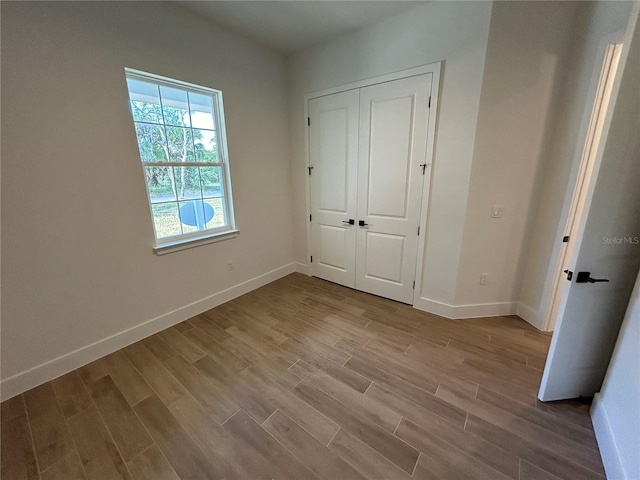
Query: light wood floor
[304,379]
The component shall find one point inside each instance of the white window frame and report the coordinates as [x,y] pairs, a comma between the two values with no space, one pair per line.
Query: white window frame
[188,240]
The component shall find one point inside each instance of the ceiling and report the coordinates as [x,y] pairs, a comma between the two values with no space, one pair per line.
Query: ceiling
[291,26]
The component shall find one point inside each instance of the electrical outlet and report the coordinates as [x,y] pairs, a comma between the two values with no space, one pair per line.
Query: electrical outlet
[497,211]
[484,278]
[230,266]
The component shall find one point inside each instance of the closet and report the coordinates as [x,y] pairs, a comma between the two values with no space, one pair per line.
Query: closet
[368,173]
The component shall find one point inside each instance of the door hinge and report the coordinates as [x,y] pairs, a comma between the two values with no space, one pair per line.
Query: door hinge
[309,168]
[565,239]
[309,121]
[310,217]
[418,230]
[414,284]
[429,101]
[311,258]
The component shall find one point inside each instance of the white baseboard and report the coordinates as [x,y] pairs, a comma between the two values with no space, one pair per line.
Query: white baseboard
[529,315]
[432,306]
[606,441]
[465,311]
[302,268]
[42,373]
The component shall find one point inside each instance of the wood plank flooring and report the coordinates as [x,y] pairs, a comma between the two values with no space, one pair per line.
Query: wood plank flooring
[304,379]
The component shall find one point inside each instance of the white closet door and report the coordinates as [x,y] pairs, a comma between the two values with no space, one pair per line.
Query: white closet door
[392,146]
[333,154]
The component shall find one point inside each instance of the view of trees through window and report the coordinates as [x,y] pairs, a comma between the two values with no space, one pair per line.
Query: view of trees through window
[178,145]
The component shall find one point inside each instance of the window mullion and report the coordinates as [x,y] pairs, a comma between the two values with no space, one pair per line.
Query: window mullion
[182,164]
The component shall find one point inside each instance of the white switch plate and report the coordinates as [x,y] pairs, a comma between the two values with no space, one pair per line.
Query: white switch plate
[497,211]
[483,278]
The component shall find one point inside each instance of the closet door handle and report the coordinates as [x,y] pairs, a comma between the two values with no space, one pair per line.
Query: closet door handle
[351,221]
[362,224]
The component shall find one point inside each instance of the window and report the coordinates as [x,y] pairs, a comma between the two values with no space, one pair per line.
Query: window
[182,145]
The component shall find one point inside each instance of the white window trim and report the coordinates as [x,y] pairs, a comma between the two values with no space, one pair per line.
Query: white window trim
[194,239]
[184,244]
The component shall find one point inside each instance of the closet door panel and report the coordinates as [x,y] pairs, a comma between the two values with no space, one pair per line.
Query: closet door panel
[392,146]
[333,149]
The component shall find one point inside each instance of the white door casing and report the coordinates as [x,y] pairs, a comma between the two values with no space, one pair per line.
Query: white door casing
[333,150]
[394,120]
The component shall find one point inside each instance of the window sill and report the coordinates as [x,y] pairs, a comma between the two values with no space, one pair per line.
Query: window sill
[178,245]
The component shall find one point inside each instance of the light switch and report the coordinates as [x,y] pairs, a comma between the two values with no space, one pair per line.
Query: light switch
[497,211]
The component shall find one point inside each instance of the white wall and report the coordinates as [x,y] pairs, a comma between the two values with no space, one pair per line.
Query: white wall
[526,57]
[78,266]
[556,178]
[453,32]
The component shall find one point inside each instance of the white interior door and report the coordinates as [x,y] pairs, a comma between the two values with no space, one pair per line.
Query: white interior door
[607,248]
[333,155]
[392,146]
